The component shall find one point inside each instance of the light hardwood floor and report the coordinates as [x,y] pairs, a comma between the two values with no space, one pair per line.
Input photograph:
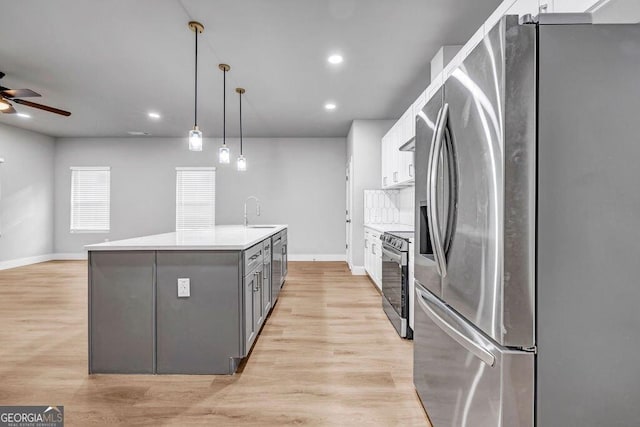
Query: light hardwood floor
[326,356]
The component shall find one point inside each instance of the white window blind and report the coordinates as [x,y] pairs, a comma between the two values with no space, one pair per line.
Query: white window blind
[195,198]
[90,199]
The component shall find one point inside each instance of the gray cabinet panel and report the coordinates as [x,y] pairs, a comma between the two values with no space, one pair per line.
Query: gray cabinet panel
[285,256]
[276,267]
[198,334]
[121,312]
[250,284]
[266,289]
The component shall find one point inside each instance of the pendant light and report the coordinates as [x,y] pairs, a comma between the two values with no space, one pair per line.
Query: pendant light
[242,162]
[224,156]
[195,136]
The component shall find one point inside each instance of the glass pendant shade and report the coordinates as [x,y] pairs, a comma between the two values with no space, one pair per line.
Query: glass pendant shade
[195,136]
[242,163]
[224,156]
[195,140]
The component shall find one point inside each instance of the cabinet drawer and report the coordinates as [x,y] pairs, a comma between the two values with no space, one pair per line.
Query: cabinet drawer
[253,257]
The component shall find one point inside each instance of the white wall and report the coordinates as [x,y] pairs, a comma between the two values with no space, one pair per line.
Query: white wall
[26,202]
[300,182]
[364,144]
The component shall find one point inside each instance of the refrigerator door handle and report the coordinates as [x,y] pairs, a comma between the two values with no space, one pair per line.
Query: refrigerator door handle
[429,196]
[434,224]
[430,305]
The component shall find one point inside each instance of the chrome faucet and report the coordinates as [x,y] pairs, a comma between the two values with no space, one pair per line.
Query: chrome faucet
[246,218]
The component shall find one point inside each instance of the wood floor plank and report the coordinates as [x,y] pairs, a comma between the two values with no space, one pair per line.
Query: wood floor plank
[327,356]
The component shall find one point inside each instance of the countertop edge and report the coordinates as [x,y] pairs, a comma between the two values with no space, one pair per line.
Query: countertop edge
[112,246]
[383,228]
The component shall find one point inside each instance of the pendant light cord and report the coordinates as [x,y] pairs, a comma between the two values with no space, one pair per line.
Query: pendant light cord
[224,107]
[195,102]
[240,94]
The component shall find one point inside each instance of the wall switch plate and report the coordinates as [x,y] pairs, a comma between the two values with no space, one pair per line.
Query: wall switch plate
[184,288]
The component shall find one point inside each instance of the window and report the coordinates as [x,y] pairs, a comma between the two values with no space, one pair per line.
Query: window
[195,198]
[90,199]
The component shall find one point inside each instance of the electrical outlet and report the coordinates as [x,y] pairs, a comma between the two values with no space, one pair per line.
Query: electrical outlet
[184,288]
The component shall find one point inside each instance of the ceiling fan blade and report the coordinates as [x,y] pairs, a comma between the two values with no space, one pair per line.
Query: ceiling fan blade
[9,110]
[41,107]
[19,93]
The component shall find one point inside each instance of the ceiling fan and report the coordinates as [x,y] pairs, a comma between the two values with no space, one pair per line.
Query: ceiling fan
[15,95]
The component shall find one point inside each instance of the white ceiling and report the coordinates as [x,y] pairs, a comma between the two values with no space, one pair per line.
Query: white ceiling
[110,62]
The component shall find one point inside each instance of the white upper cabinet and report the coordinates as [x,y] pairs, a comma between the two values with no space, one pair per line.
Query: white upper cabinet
[385,160]
[398,166]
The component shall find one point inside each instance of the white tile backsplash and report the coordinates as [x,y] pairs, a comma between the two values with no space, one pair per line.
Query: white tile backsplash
[389,206]
[381,206]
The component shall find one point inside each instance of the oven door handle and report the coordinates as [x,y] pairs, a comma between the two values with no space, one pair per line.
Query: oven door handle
[399,258]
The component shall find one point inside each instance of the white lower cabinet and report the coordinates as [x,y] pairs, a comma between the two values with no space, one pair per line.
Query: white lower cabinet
[411,286]
[373,256]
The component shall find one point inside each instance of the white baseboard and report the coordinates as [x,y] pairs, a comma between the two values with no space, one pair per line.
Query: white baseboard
[21,262]
[358,270]
[317,257]
[70,256]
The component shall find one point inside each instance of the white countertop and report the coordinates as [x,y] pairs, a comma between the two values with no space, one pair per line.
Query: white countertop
[222,237]
[382,228]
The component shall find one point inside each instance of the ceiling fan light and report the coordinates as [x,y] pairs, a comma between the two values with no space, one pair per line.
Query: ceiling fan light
[195,140]
[224,156]
[4,105]
[242,163]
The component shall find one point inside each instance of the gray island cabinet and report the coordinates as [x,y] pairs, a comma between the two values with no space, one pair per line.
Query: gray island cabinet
[190,302]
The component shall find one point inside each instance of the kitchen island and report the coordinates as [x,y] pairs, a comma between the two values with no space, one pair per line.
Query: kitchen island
[187,302]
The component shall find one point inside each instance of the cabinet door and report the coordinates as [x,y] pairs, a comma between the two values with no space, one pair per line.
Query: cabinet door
[258,308]
[250,283]
[266,289]
[285,257]
[384,161]
[411,286]
[366,252]
[373,253]
[395,154]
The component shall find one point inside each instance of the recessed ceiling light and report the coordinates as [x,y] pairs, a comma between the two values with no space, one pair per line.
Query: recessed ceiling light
[335,59]
[23,115]
[329,106]
[154,116]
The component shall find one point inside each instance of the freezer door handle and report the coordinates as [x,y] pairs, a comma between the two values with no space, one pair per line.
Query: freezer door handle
[462,334]
[434,223]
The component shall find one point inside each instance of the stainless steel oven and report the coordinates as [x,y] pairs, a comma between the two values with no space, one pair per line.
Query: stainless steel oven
[395,280]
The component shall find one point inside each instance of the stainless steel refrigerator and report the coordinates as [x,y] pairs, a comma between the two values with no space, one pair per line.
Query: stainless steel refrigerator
[527,260]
